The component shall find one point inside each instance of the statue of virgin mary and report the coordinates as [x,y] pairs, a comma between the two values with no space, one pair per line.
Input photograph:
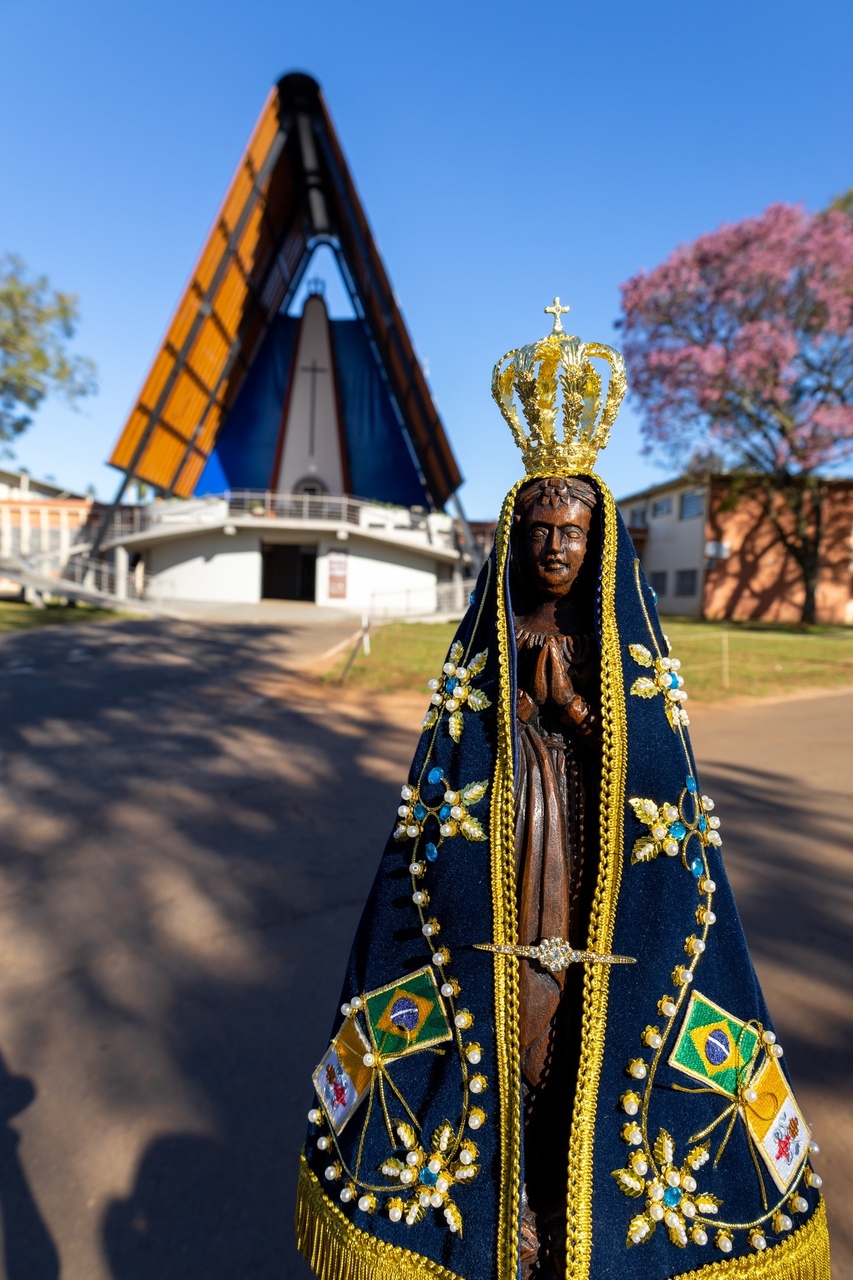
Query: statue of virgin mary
[552,1059]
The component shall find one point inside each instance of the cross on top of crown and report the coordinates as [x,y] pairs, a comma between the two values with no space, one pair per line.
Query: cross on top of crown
[556,311]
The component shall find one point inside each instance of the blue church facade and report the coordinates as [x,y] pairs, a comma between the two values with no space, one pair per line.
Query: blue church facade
[377,457]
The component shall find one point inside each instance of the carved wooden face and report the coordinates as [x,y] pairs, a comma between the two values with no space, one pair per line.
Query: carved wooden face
[553,546]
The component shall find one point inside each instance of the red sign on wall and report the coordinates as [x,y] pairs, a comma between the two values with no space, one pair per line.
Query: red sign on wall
[337,575]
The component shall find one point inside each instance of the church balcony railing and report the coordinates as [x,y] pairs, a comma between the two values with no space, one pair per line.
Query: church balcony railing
[263,504]
[361,513]
[295,506]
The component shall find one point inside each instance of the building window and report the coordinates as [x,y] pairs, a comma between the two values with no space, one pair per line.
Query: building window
[638,518]
[691,505]
[685,582]
[657,582]
[718,550]
[311,486]
[662,507]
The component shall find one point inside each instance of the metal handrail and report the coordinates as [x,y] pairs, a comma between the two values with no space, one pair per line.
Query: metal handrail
[96,575]
[102,576]
[296,506]
[444,598]
[263,503]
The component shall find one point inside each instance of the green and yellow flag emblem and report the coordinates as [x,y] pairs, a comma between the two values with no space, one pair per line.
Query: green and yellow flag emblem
[407,1015]
[713,1046]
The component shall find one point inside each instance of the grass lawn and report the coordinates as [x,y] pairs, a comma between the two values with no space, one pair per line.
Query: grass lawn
[16,616]
[763,659]
[403,655]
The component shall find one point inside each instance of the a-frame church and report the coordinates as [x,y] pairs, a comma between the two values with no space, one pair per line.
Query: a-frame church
[294,456]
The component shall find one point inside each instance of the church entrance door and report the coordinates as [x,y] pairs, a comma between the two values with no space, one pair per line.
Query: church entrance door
[289,572]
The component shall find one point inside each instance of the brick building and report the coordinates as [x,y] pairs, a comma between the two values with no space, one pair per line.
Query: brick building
[709,553]
[38,521]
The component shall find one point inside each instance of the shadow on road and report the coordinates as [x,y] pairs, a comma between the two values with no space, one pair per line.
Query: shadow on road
[191,834]
[792,881]
[788,852]
[184,1217]
[28,1249]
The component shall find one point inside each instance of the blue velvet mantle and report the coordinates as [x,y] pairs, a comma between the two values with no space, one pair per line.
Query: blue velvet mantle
[645,908]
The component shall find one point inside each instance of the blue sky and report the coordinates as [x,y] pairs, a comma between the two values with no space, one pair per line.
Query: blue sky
[504,152]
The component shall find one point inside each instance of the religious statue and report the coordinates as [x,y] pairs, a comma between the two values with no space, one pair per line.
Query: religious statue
[552,1059]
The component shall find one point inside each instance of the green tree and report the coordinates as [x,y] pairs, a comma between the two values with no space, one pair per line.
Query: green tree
[844,203]
[36,325]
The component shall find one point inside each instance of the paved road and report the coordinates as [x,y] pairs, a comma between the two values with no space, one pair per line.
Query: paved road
[782,776]
[176,904]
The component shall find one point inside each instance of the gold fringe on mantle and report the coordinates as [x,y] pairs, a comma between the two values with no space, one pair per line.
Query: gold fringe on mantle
[803,1256]
[336,1250]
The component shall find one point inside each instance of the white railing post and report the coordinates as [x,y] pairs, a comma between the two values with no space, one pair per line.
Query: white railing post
[122,563]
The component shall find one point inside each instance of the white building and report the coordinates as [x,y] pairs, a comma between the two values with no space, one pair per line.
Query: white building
[39,521]
[668,526]
[297,456]
[335,551]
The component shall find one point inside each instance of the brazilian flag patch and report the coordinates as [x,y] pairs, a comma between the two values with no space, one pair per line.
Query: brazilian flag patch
[407,1015]
[713,1046]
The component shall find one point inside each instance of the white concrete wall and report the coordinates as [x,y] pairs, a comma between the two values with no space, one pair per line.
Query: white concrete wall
[216,567]
[380,581]
[673,544]
[206,566]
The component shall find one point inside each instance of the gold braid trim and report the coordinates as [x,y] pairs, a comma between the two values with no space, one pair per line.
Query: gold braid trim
[803,1256]
[336,1250]
[579,1221]
[505,924]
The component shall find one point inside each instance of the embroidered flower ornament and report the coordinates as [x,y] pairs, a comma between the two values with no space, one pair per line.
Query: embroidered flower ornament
[666,680]
[673,826]
[430,1175]
[672,1197]
[453,691]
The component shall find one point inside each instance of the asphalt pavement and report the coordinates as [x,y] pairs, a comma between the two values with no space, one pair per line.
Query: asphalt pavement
[189,830]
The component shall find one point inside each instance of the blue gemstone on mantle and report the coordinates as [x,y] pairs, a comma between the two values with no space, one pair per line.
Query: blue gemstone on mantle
[672,1196]
[435,775]
[419,811]
[430,1179]
[678,830]
[431,852]
[691,785]
[697,866]
[703,823]
[444,812]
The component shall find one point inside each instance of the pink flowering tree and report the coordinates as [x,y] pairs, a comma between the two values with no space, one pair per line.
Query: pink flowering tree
[740,352]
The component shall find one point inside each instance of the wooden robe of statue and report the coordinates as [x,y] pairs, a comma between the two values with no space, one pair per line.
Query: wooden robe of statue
[557,767]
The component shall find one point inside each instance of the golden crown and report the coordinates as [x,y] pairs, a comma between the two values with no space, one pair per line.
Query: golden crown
[535,374]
